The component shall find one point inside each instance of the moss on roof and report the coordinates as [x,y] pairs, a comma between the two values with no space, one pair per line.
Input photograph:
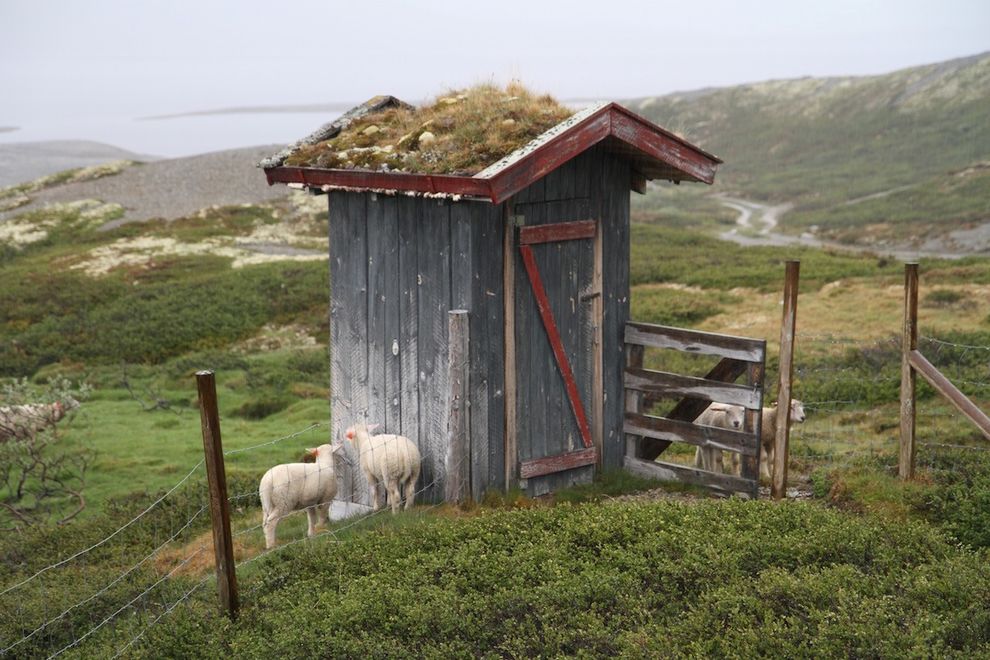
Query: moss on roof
[459,133]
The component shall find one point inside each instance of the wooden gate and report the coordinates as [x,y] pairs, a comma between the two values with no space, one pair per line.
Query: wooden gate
[649,435]
[555,348]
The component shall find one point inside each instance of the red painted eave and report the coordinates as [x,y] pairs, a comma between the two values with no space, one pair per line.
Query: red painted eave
[612,120]
[423,183]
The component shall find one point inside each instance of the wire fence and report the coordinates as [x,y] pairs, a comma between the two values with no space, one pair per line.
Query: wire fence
[849,393]
[134,589]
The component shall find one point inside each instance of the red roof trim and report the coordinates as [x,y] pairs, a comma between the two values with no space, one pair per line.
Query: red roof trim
[430,183]
[612,120]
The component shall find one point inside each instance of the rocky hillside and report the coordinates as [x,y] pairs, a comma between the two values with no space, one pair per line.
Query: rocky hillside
[904,155]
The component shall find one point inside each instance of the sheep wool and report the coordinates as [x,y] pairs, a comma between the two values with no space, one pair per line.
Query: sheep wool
[23,421]
[724,417]
[392,460]
[293,486]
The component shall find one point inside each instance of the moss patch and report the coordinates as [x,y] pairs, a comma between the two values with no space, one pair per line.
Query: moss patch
[459,133]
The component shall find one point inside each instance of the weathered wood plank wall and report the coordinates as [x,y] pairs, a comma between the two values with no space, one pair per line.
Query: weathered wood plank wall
[398,265]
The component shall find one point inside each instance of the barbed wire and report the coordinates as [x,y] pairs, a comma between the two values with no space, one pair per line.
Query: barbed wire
[107,538]
[165,612]
[100,592]
[944,445]
[128,603]
[240,450]
[357,519]
[943,342]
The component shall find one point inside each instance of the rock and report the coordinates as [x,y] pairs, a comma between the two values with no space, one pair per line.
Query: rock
[449,100]
[509,122]
[426,138]
[371,130]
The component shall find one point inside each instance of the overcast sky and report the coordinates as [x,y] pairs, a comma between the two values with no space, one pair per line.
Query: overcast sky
[140,57]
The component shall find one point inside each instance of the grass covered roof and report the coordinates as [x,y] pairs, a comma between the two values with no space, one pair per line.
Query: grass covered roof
[459,133]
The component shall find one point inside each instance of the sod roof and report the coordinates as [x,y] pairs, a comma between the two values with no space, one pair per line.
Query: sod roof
[481,142]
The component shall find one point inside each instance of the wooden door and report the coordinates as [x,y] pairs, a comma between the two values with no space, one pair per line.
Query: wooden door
[557,321]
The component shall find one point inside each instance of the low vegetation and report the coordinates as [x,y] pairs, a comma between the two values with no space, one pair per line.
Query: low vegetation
[871,567]
[634,579]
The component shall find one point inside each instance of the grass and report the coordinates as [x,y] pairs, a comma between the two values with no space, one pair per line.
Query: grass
[890,557]
[461,132]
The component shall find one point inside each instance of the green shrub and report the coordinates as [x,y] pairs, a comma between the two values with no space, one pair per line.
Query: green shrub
[637,580]
[262,407]
[47,318]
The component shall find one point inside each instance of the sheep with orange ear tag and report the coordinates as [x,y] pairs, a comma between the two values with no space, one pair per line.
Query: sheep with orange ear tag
[390,460]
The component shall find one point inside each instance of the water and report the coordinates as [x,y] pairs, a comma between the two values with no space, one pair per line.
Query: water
[170,138]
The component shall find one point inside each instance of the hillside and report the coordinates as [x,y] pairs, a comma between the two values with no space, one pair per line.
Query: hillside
[226,273]
[901,157]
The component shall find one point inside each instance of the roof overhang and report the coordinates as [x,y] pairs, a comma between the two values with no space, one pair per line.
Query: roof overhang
[655,152]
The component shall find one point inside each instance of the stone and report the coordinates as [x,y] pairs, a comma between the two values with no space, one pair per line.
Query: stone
[371,130]
[426,139]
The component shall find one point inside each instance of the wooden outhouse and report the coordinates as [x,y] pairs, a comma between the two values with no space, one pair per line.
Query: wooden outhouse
[535,247]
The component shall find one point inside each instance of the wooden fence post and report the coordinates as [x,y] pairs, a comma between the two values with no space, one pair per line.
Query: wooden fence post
[458,484]
[633,399]
[782,434]
[909,342]
[219,506]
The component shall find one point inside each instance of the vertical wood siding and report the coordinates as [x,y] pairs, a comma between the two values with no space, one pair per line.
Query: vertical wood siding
[398,265]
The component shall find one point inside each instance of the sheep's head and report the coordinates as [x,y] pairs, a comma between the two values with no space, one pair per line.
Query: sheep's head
[352,431]
[313,453]
[735,416]
[797,411]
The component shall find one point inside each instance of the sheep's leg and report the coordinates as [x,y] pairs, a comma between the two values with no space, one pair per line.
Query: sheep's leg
[765,457]
[269,524]
[410,492]
[312,515]
[393,495]
[699,457]
[373,489]
[717,464]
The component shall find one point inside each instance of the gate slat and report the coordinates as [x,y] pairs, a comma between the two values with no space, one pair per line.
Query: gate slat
[695,341]
[661,382]
[662,428]
[674,472]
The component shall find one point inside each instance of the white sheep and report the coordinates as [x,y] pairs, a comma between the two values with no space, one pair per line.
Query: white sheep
[293,486]
[768,436]
[768,433]
[392,460]
[25,420]
[722,416]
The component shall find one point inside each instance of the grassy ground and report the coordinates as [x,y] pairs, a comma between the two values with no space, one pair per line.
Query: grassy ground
[262,327]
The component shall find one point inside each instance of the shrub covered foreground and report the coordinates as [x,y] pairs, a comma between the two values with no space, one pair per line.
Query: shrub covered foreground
[636,580]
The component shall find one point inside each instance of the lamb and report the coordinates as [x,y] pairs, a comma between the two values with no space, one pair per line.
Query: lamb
[722,416]
[392,460]
[23,421]
[293,486]
[768,434]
